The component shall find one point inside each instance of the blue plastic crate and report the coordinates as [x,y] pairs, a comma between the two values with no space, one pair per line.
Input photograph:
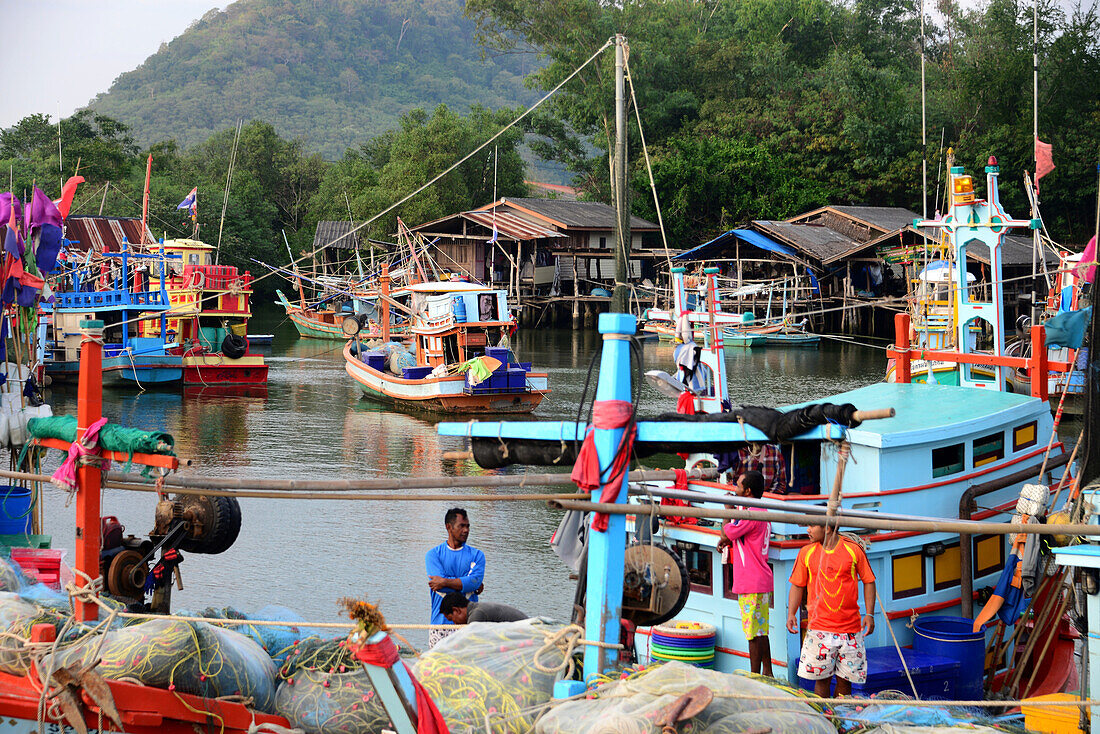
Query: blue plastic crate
[935,677]
[501,353]
[416,373]
[376,361]
[517,378]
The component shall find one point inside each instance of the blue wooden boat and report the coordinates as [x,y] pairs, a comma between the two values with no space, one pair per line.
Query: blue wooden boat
[944,448]
[128,359]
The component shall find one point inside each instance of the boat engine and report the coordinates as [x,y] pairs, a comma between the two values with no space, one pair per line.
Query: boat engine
[189,523]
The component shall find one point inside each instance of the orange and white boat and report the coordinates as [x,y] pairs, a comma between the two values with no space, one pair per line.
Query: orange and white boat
[454,367]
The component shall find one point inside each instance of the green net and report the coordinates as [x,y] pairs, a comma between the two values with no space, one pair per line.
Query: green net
[112,437]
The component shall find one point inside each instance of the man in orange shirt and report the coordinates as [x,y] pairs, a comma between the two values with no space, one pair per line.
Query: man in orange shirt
[832,567]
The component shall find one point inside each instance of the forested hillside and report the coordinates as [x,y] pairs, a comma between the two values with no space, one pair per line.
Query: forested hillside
[332,72]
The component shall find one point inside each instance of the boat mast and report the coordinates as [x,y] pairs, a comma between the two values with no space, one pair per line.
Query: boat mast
[1035,242]
[620,296]
[923,129]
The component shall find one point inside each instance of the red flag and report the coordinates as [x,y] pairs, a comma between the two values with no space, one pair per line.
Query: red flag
[68,192]
[1044,160]
[145,198]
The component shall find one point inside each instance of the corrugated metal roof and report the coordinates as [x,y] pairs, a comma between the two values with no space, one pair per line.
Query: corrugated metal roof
[511,225]
[335,235]
[575,214]
[886,218]
[819,242]
[104,234]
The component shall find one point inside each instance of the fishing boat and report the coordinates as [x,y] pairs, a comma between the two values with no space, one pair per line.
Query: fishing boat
[934,451]
[138,348]
[208,318]
[454,367]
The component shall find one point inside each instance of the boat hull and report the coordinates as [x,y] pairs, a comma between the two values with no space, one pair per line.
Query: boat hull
[214,369]
[442,395]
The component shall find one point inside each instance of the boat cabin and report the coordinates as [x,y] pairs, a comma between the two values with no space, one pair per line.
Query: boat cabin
[454,321]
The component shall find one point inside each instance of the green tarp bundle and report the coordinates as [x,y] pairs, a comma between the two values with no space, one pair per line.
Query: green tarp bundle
[112,437]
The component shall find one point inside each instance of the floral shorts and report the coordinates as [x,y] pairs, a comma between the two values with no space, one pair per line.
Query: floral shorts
[826,653]
[754,614]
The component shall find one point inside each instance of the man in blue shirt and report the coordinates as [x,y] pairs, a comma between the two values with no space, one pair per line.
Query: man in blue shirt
[453,566]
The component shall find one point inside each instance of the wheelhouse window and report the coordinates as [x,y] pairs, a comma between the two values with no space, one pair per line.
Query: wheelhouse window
[989,449]
[947,568]
[989,554]
[727,583]
[948,460]
[1025,436]
[700,565]
[908,575]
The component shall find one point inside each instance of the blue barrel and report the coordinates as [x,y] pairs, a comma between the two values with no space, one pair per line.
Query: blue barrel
[15,510]
[954,638]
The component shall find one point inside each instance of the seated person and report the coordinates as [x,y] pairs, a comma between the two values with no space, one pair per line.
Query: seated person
[460,610]
[766,458]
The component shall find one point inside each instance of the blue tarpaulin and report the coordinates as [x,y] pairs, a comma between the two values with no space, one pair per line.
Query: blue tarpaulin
[749,236]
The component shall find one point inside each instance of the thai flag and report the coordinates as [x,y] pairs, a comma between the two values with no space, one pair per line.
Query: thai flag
[496,234]
[190,201]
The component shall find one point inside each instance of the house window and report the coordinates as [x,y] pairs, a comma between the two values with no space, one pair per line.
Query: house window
[908,574]
[700,565]
[989,554]
[947,568]
[1024,437]
[989,449]
[947,460]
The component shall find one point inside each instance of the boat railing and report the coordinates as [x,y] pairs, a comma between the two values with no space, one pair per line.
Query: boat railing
[106,299]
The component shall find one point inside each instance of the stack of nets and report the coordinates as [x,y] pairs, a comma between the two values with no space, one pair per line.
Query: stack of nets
[323,688]
[191,657]
[502,674]
[740,704]
[276,641]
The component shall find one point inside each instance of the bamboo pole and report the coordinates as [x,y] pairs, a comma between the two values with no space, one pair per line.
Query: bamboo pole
[350,485]
[801,518]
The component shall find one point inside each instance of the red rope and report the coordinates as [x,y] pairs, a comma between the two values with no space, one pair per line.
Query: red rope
[606,414]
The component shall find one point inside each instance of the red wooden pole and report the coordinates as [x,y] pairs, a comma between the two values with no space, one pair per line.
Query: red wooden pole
[1039,368]
[902,372]
[88,477]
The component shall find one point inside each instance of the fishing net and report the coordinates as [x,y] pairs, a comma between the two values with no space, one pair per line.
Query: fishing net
[890,711]
[277,641]
[325,689]
[112,437]
[192,657]
[741,704]
[502,673]
[901,729]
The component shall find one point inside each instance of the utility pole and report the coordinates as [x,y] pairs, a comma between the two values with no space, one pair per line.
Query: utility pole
[620,296]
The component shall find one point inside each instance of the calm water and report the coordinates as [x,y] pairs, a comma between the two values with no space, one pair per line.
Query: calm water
[313,424]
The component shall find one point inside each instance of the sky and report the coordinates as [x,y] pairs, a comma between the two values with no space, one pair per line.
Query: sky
[71,50]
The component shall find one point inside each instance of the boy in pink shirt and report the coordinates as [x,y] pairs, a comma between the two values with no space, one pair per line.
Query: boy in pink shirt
[752,576]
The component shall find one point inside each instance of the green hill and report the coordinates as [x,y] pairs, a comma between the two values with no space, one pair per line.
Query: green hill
[332,72]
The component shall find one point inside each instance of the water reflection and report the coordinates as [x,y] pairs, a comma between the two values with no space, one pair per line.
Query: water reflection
[313,423]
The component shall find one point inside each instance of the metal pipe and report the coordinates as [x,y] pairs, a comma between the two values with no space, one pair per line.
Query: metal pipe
[966,501]
[926,526]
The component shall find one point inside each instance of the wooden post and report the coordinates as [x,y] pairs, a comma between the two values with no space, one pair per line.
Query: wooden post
[1039,367]
[384,291]
[903,360]
[576,292]
[606,549]
[395,690]
[89,409]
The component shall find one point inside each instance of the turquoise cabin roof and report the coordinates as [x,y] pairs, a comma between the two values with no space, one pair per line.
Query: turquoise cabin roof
[932,412]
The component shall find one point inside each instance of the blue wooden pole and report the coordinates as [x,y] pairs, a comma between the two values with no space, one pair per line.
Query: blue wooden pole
[604,596]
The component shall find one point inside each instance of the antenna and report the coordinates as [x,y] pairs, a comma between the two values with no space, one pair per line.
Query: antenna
[228,182]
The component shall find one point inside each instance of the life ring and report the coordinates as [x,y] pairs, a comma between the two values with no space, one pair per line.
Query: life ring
[198,280]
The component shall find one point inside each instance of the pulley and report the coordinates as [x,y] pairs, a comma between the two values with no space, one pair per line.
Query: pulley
[655,584]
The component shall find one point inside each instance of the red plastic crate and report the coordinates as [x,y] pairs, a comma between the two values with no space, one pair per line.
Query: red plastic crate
[41,564]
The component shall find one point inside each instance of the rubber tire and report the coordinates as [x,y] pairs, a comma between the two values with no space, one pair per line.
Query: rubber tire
[227,526]
[234,346]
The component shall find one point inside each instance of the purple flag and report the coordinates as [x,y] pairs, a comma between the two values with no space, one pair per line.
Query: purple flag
[7,201]
[46,219]
[43,210]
